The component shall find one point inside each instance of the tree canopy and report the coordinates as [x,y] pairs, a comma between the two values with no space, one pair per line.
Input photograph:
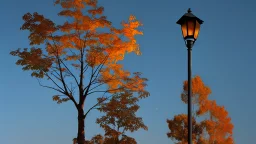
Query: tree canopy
[211,123]
[81,56]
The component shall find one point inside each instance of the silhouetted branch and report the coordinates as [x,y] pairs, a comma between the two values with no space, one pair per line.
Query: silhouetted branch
[105,91]
[70,72]
[93,107]
[54,82]
[51,87]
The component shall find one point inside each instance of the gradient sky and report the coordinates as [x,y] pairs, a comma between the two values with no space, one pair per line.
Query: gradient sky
[223,56]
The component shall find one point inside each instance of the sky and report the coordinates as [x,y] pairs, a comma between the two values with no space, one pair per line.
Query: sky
[223,57]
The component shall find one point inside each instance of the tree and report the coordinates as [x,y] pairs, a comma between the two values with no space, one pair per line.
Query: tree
[120,117]
[211,123]
[81,55]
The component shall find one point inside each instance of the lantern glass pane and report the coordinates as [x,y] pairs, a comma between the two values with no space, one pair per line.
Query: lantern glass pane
[184,29]
[197,29]
[191,28]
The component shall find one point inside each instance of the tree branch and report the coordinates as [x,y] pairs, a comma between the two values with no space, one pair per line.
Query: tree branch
[105,91]
[96,86]
[61,76]
[81,96]
[92,75]
[51,87]
[58,78]
[85,68]
[70,72]
[89,85]
[100,67]
[54,82]
[96,105]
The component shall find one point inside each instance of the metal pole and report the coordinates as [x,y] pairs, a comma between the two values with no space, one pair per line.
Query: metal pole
[189,46]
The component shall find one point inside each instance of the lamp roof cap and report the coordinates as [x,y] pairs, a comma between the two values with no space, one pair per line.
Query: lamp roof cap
[189,16]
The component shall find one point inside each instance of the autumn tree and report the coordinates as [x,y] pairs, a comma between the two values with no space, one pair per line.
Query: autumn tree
[211,123]
[119,117]
[81,56]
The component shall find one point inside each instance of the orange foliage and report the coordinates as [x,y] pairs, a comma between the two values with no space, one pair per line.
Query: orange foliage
[217,128]
[120,117]
[87,48]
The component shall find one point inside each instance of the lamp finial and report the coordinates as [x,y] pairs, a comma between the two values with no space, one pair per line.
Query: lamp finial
[189,10]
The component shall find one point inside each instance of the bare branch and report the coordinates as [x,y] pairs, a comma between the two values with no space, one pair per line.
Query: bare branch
[61,74]
[59,67]
[81,96]
[92,76]
[62,78]
[93,107]
[54,82]
[86,89]
[51,87]
[107,91]
[70,72]
[73,52]
[58,78]
[96,86]
[85,68]
[100,67]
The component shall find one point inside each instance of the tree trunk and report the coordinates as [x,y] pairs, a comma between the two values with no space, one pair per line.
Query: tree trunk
[80,133]
[117,140]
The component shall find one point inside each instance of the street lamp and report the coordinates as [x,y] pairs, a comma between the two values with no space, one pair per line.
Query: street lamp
[190,26]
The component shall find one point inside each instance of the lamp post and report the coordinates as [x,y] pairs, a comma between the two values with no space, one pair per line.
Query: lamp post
[190,26]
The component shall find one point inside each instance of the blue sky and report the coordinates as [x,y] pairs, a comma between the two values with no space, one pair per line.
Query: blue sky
[223,56]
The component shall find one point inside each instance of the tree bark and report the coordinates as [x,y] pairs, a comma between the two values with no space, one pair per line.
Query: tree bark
[117,140]
[81,133]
